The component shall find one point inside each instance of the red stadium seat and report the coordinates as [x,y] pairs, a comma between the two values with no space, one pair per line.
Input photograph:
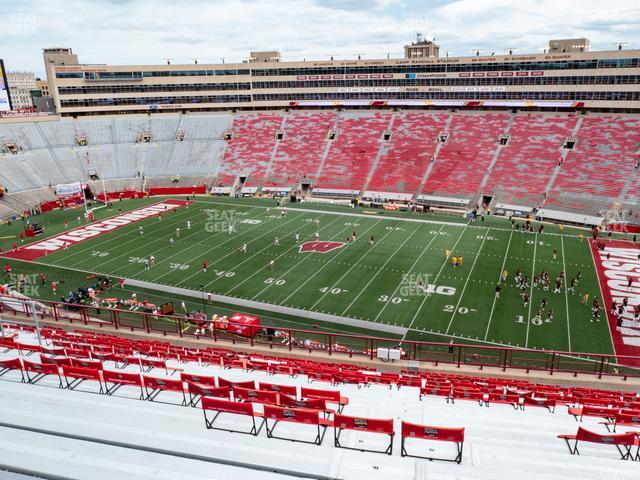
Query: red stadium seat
[119,379]
[219,406]
[430,432]
[296,415]
[624,442]
[361,424]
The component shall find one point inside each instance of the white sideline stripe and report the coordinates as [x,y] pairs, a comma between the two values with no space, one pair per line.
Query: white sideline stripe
[410,269]
[504,262]
[435,280]
[566,295]
[380,269]
[484,239]
[265,266]
[402,219]
[324,265]
[296,312]
[533,273]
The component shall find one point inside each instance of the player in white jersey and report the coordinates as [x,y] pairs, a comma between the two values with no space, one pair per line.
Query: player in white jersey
[276,241]
[243,248]
[297,237]
[188,224]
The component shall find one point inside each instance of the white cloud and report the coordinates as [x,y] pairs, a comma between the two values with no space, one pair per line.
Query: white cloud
[146,31]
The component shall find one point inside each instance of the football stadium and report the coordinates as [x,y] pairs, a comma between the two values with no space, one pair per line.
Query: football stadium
[420,265]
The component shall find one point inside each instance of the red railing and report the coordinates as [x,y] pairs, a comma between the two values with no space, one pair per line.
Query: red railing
[352,345]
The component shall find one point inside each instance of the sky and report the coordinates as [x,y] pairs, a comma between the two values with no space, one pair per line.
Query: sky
[122,32]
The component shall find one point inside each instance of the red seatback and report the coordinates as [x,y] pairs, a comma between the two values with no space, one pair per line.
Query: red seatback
[40,368]
[628,418]
[540,402]
[208,390]
[610,439]
[13,364]
[429,432]
[227,406]
[148,362]
[331,395]
[253,395]
[123,378]
[228,383]
[311,403]
[286,389]
[78,362]
[163,383]
[81,372]
[604,412]
[295,415]
[374,425]
[197,378]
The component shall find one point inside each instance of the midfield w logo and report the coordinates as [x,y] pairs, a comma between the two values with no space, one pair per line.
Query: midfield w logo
[321,247]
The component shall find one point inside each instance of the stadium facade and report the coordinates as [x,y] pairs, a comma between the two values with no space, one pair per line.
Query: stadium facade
[565,78]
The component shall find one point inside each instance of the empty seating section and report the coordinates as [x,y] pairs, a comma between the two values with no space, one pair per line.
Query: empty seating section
[463,160]
[597,172]
[525,165]
[408,152]
[249,151]
[300,151]
[352,153]
[603,158]
[50,154]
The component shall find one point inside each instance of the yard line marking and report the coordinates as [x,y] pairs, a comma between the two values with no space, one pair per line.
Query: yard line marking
[232,237]
[203,243]
[325,264]
[379,270]
[391,230]
[93,246]
[435,280]
[347,227]
[566,294]
[410,268]
[264,267]
[110,259]
[297,245]
[467,281]
[504,263]
[194,232]
[533,273]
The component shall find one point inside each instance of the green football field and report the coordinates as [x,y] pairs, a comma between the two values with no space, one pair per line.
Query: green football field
[377,283]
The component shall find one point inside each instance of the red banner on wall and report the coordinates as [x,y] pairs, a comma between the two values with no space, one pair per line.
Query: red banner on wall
[618,263]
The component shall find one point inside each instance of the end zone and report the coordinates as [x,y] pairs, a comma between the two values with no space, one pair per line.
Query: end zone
[613,275]
[72,237]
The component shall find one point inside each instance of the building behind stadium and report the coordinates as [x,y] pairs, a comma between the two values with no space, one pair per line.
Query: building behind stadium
[567,76]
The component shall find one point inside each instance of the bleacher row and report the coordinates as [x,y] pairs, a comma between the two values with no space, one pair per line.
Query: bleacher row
[110,363]
[532,166]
